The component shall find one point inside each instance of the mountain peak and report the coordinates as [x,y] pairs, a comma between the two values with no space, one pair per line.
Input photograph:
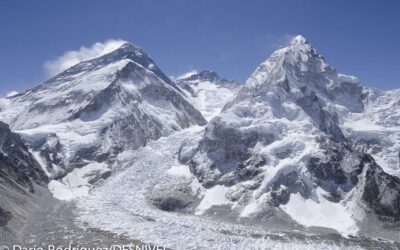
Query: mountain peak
[299,59]
[126,51]
[298,67]
[129,47]
[298,40]
[300,45]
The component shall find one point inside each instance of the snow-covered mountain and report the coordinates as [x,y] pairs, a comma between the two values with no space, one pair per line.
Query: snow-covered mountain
[302,140]
[93,111]
[207,91]
[298,145]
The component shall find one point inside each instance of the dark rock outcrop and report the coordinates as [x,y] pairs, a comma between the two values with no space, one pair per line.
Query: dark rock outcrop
[228,149]
[5,217]
[17,164]
[381,191]
[19,173]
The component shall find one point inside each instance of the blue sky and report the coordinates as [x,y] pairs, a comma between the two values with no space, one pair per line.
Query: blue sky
[361,38]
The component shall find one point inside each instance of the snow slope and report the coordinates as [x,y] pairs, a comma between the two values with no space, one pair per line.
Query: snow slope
[207,91]
[377,128]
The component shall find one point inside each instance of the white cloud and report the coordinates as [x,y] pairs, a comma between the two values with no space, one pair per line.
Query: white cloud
[11,93]
[185,75]
[70,58]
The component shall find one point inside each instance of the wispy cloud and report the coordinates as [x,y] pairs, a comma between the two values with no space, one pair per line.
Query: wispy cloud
[268,42]
[11,93]
[185,75]
[70,58]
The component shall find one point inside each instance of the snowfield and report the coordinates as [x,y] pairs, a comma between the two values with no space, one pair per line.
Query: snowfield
[324,213]
[379,127]
[211,98]
[207,92]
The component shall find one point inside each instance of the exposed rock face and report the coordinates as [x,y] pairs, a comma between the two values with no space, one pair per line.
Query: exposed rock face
[175,198]
[5,216]
[19,171]
[227,149]
[381,191]
[17,164]
[284,134]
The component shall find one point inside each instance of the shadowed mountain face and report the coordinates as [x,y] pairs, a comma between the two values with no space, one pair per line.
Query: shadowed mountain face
[284,142]
[18,166]
[19,171]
